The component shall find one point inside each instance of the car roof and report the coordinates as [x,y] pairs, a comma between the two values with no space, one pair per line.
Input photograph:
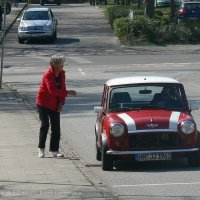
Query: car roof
[38,9]
[140,79]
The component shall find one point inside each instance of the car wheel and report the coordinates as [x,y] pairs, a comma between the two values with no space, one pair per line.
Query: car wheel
[106,160]
[55,35]
[194,158]
[52,38]
[98,153]
[20,40]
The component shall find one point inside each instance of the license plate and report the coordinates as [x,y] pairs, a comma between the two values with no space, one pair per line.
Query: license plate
[153,156]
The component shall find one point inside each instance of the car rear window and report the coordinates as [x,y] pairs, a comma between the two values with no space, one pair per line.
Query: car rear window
[36,15]
[192,6]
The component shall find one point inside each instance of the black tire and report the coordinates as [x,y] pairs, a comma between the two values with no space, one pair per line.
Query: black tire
[194,158]
[20,40]
[52,38]
[98,153]
[55,35]
[106,160]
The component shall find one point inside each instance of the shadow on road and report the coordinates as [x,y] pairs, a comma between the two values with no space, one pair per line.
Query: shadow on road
[179,164]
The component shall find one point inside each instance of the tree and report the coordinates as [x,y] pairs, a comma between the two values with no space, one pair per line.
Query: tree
[149,8]
[173,9]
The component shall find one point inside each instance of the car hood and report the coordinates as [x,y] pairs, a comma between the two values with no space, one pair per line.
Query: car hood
[149,120]
[35,22]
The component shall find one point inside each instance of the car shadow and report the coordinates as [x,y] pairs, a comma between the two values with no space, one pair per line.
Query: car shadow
[154,166]
[47,42]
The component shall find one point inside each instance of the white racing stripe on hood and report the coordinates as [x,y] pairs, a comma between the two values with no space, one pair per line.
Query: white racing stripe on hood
[129,121]
[173,121]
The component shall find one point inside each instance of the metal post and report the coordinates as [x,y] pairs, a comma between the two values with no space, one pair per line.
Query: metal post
[2,42]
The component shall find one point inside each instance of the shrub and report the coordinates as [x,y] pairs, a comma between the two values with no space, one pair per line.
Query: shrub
[121,27]
[158,29]
[116,12]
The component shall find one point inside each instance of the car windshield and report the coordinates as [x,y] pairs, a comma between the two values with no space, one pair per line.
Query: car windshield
[135,97]
[36,15]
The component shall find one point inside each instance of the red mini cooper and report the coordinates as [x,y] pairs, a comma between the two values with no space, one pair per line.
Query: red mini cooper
[144,119]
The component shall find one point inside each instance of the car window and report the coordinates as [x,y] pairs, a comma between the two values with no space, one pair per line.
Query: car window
[36,15]
[147,96]
[192,6]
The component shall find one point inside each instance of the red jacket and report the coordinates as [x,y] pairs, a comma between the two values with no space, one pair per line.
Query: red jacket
[48,95]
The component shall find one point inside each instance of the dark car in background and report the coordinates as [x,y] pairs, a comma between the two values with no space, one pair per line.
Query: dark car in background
[165,3]
[188,10]
[42,2]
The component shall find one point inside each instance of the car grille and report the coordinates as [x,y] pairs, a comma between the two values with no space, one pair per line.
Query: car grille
[31,28]
[154,140]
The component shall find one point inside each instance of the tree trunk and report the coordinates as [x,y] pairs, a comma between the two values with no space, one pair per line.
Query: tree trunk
[173,9]
[139,3]
[149,8]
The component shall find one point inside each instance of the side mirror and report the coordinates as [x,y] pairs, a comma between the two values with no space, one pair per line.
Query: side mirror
[98,109]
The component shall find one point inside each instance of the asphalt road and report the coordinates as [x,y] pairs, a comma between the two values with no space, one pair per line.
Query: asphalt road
[94,56]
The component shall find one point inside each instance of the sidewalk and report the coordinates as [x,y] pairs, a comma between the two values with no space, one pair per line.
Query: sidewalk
[15,13]
[24,176]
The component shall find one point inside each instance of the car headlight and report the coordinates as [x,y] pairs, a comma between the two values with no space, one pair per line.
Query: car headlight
[117,130]
[47,28]
[187,127]
[22,27]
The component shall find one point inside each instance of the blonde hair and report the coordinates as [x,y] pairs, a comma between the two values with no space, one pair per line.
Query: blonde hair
[57,59]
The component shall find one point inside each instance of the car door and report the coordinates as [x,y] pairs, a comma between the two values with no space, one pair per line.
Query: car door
[101,116]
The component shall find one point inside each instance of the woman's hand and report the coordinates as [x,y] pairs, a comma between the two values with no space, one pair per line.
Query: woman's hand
[71,92]
[60,106]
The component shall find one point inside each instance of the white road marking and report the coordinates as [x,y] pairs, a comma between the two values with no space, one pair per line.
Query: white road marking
[157,184]
[80,70]
[79,60]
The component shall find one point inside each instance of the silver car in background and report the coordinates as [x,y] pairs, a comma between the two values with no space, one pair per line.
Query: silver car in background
[37,23]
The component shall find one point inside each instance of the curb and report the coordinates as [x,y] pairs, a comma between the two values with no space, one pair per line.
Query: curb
[68,150]
[17,15]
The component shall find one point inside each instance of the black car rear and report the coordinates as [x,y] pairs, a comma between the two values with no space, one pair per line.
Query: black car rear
[189,10]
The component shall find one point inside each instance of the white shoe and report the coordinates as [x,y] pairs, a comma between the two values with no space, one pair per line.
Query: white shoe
[41,153]
[57,154]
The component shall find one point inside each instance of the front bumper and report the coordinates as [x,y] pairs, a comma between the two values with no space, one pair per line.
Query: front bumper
[41,34]
[113,152]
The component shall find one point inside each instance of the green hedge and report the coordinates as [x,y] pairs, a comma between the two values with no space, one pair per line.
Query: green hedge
[157,30]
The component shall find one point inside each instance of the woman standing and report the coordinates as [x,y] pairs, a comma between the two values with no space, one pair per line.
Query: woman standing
[50,99]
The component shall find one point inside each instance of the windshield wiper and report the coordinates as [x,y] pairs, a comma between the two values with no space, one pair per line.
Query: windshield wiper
[155,107]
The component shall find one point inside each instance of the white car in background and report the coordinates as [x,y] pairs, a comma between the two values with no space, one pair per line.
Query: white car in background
[37,23]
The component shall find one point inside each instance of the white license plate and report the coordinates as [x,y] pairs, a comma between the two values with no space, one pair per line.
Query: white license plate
[153,156]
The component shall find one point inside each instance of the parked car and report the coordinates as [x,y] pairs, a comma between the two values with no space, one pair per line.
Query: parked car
[37,23]
[134,122]
[42,2]
[165,3]
[188,10]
